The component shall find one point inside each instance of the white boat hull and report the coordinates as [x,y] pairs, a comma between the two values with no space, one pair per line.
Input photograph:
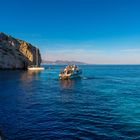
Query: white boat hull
[36,68]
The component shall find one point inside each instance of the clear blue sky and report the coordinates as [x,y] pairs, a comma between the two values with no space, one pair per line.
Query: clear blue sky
[93,31]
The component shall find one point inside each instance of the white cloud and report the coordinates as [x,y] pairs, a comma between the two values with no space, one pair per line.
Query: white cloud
[131,50]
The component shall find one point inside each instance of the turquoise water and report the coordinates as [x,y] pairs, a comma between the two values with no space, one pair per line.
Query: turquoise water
[103,104]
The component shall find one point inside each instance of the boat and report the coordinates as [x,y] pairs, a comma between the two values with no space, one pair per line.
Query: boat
[36,67]
[70,72]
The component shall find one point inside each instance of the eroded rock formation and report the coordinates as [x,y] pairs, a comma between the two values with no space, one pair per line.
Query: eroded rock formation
[17,54]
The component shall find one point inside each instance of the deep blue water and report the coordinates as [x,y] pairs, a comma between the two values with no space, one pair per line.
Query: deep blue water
[103,104]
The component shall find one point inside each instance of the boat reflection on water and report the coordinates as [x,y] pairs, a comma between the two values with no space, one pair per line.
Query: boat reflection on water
[70,83]
[66,84]
[30,75]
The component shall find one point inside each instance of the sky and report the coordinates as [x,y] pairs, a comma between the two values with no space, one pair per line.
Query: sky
[91,31]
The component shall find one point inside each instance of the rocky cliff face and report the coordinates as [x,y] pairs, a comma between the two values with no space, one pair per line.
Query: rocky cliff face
[17,54]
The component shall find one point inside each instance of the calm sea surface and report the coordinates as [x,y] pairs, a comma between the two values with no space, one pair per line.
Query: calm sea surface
[103,104]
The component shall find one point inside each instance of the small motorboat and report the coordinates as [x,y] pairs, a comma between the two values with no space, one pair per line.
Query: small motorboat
[35,68]
[70,72]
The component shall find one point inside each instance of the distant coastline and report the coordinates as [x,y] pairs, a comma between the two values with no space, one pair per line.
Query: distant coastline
[63,62]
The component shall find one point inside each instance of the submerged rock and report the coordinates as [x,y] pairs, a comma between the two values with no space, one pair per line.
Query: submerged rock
[17,54]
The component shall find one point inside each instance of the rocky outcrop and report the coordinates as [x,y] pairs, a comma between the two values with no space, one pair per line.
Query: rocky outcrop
[17,54]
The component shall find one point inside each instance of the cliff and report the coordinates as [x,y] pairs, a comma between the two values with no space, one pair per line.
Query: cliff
[17,54]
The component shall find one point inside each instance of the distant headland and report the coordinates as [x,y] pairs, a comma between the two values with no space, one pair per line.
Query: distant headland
[62,62]
[16,53]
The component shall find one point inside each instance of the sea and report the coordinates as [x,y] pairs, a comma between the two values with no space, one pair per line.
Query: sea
[104,104]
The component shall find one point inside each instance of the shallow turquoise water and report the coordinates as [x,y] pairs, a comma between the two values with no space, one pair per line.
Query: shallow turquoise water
[103,104]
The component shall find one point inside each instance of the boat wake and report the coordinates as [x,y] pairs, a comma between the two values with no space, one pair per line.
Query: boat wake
[90,78]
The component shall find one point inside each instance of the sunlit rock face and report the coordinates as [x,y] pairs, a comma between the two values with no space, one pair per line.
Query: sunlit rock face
[17,54]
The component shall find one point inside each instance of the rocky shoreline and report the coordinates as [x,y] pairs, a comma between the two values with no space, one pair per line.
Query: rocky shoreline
[16,53]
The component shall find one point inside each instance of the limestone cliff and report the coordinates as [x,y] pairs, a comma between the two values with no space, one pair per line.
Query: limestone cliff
[17,54]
